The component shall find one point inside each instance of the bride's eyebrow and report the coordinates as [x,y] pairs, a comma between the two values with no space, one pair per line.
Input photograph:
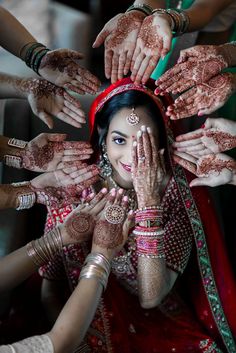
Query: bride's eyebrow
[119,133]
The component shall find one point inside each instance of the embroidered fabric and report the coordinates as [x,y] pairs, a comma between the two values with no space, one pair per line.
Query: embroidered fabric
[34,344]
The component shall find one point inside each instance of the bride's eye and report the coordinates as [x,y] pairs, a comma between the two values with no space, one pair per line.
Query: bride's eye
[119,140]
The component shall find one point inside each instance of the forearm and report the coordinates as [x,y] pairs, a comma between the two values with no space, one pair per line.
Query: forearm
[15,268]
[202,12]
[10,195]
[13,35]
[153,3]
[12,86]
[155,281]
[76,316]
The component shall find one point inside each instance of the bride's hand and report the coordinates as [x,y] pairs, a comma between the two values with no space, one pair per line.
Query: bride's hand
[147,168]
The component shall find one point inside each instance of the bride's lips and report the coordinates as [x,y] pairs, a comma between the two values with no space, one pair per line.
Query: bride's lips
[126,167]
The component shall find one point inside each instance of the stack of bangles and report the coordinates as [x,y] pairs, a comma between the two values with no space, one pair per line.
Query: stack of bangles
[32,54]
[149,233]
[43,250]
[96,266]
[179,20]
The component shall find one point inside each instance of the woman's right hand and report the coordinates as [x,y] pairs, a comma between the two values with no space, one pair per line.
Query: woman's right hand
[147,168]
[112,229]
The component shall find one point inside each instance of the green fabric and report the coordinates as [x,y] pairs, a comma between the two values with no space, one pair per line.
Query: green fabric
[161,66]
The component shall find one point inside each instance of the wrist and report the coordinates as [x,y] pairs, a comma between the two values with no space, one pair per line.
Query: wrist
[24,197]
[228,52]
[151,202]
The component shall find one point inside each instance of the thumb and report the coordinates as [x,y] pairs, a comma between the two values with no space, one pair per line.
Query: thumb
[199,182]
[46,119]
[56,137]
[101,37]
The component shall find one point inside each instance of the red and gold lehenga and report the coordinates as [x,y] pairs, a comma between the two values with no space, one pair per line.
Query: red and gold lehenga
[199,315]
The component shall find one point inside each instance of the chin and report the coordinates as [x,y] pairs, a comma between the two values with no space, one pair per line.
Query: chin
[124,179]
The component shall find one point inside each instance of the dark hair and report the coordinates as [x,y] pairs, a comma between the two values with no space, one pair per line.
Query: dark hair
[128,99]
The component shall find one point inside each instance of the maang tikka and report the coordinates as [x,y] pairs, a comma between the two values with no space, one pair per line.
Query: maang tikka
[104,163]
[132,119]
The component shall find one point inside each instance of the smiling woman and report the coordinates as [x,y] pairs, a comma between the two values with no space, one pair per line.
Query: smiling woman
[168,246]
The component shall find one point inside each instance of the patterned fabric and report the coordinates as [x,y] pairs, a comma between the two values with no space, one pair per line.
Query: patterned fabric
[35,344]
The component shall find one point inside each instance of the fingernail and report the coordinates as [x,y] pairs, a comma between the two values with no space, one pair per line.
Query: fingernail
[135,144]
[148,130]
[143,128]
[120,191]
[125,198]
[203,126]
[139,134]
[91,195]
[104,190]
[131,212]
[200,114]
[157,91]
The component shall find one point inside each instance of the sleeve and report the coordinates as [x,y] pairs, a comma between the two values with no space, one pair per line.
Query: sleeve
[178,232]
[34,344]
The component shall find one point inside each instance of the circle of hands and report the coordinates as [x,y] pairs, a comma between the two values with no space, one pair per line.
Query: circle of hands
[134,42]
[48,97]
[199,72]
[88,221]
[200,152]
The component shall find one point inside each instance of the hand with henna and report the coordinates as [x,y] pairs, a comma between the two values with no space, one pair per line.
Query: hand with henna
[61,67]
[79,225]
[64,186]
[119,36]
[48,101]
[153,43]
[204,98]
[109,238]
[147,169]
[48,152]
[211,170]
[195,66]
[216,135]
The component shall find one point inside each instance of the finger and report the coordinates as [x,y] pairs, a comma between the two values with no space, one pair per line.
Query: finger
[171,80]
[74,101]
[184,54]
[81,172]
[186,156]
[76,151]
[87,183]
[197,134]
[140,149]
[74,115]
[90,78]
[77,157]
[119,196]
[188,143]
[142,69]
[151,66]
[121,65]
[190,149]
[101,37]
[185,164]
[137,65]
[86,85]
[153,145]
[128,224]
[108,63]
[82,145]
[167,39]
[168,75]
[134,157]
[127,66]
[182,86]
[81,179]
[99,202]
[136,53]
[56,137]
[78,82]
[209,110]
[46,118]
[125,202]
[74,88]
[68,119]
[114,71]
[146,146]
[79,114]
[200,182]
[73,54]
[77,164]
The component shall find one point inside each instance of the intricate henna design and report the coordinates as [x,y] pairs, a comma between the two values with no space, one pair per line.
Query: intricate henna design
[196,65]
[204,98]
[212,163]
[100,238]
[223,140]
[79,226]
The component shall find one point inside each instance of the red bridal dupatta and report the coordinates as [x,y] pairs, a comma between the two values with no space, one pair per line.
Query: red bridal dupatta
[199,315]
[208,282]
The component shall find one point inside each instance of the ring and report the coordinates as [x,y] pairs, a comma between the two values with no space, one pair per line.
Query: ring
[114,214]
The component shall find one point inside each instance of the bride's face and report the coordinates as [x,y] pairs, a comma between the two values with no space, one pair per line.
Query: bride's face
[120,139]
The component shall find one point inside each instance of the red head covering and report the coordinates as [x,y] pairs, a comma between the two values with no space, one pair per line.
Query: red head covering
[122,86]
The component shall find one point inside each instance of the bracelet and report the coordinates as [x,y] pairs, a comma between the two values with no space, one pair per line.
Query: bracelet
[13,161]
[99,260]
[43,250]
[38,58]
[179,19]
[17,143]
[95,271]
[30,52]
[146,9]
[148,247]
[27,199]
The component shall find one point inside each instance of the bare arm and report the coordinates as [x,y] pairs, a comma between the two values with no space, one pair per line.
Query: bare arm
[13,35]
[9,195]
[153,3]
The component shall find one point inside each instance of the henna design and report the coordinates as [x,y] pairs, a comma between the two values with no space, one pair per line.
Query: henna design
[107,235]
[39,87]
[149,34]
[79,226]
[223,140]
[212,163]
[125,25]
[38,156]
[58,61]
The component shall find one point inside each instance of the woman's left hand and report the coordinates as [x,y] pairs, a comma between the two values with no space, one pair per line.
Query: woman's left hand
[61,67]
[205,98]
[48,152]
[211,170]
[147,169]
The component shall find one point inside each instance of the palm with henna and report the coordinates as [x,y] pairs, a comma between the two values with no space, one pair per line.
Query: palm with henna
[119,36]
[60,66]
[217,135]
